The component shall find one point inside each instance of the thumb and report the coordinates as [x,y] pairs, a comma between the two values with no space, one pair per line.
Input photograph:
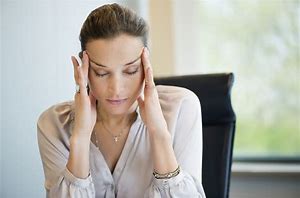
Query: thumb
[140,102]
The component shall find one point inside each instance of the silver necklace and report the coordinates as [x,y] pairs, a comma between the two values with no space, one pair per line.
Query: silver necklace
[115,137]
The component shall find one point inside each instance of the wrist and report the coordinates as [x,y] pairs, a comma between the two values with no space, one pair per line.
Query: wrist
[78,162]
[79,138]
[167,175]
[164,160]
[160,135]
[81,133]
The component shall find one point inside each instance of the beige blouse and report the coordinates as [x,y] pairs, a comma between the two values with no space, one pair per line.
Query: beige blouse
[132,176]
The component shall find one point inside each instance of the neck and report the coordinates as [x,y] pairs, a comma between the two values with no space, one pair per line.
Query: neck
[116,120]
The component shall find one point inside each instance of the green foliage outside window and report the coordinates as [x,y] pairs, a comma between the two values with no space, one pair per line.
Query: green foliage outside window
[259,42]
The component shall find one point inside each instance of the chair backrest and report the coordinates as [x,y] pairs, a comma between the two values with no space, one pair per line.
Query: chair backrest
[218,121]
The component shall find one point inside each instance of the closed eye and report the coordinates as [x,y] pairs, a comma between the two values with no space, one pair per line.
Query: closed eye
[129,71]
[101,74]
[132,72]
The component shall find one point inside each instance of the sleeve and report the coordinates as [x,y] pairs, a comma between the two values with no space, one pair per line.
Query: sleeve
[187,146]
[59,181]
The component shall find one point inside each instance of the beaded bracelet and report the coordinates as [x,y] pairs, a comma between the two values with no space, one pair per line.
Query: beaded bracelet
[167,175]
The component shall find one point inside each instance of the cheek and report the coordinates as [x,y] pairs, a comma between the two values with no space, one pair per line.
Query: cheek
[138,84]
[96,87]
[137,81]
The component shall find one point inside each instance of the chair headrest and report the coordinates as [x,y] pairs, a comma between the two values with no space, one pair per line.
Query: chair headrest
[213,91]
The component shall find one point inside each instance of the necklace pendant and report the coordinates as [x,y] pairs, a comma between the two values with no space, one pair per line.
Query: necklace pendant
[116,139]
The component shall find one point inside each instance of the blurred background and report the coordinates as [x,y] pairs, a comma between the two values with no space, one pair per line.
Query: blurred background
[256,40]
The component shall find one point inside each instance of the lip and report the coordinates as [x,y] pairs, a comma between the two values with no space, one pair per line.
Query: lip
[116,102]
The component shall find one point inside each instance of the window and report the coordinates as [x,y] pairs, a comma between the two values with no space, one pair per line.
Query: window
[259,42]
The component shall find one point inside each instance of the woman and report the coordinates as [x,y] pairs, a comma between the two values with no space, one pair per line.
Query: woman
[122,136]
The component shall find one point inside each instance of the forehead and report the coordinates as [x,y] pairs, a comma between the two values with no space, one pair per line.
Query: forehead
[116,51]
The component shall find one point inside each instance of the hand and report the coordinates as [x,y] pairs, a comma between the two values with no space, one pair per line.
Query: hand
[85,104]
[151,112]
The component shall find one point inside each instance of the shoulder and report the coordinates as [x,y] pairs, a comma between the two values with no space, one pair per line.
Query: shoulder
[56,117]
[174,96]
[179,105]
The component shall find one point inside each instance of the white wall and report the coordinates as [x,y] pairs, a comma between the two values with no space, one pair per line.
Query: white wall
[37,40]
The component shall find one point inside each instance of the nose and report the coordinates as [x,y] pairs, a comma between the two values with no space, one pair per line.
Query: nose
[115,86]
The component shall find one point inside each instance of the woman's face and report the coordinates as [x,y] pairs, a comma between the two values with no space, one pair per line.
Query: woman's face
[116,73]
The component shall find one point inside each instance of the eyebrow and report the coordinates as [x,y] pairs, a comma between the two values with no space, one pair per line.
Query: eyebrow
[131,62]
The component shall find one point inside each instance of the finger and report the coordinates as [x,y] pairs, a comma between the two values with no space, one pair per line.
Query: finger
[75,65]
[85,64]
[147,68]
[81,82]
[150,80]
[145,59]
[140,102]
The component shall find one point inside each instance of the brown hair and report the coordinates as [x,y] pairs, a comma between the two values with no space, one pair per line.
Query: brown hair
[111,20]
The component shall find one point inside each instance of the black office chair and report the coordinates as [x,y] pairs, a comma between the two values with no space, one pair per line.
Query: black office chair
[218,120]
